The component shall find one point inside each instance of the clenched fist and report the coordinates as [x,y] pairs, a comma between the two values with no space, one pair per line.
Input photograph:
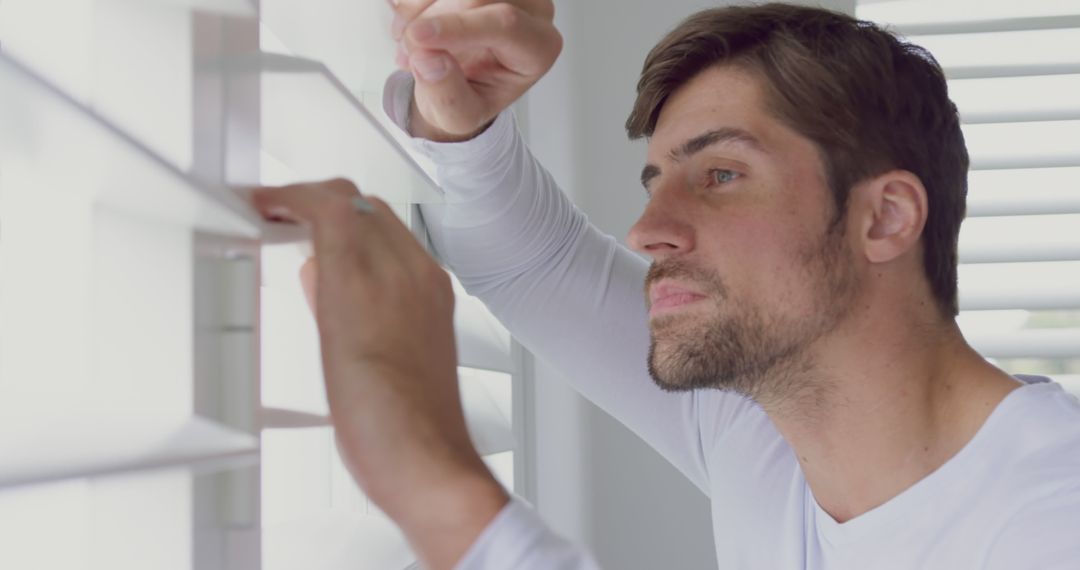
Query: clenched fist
[472,59]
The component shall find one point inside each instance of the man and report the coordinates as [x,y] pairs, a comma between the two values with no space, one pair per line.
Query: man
[806,175]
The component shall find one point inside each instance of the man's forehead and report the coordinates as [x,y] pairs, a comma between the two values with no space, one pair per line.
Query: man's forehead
[717,88]
[684,140]
[721,97]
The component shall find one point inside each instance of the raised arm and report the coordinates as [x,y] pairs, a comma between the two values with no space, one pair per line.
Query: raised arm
[572,295]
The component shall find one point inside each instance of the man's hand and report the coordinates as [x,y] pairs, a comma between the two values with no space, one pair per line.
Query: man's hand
[385,316]
[472,59]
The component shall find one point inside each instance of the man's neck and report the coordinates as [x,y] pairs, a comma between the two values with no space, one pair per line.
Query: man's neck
[899,403]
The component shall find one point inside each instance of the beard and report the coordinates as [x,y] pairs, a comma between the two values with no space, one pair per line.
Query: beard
[743,348]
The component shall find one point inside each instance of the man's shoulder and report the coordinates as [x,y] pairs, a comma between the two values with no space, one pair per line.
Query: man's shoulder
[1040,483]
[1043,430]
[1049,416]
[1039,461]
[1044,533]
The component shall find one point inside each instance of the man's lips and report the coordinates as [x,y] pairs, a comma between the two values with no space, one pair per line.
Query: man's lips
[665,296]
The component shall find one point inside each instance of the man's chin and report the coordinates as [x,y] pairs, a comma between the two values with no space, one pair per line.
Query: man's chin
[671,327]
[667,374]
[668,385]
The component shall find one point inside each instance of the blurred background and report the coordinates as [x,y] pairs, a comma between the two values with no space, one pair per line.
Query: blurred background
[160,392]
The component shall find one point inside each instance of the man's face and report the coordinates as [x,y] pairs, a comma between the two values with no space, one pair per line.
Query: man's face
[746,273]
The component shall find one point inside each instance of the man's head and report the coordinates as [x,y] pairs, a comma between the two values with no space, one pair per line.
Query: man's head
[800,162]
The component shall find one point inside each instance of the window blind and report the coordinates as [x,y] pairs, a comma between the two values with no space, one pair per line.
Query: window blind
[1014,73]
[161,399]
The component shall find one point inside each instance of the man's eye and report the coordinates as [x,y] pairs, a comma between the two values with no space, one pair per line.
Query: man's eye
[722,176]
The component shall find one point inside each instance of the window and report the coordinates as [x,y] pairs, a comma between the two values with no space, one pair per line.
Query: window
[161,401]
[1014,73]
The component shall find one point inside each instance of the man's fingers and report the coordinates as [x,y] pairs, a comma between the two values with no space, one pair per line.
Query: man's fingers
[443,94]
[293,203]
[302,202]
[340,227]
[308,281]
[406,11]
[326,206]
[523,43]
[411,9]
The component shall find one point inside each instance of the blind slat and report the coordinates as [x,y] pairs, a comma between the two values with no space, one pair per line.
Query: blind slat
[280,418]
[54,137]
[936,17]
[489,428]
[319,129]
[1023,145]
[1007,239]
[111,445]
[1014,192]
[351,38]
[336,540]
[243,8]
[1023,192]
[1037,343]
[482,341]
[1021,48]
[989,299]
[990,206]
[1017,99]
[1003,252]
[1036,286]
[991,71]
[1005,54]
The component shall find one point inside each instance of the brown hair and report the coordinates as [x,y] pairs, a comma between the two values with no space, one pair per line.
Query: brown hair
[870,102]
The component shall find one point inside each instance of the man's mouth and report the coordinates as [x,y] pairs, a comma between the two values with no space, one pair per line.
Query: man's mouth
[666,297]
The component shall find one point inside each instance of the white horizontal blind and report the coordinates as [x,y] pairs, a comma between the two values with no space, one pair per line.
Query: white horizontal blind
[111,442]
[1014,73]
[130,398]
[323,64]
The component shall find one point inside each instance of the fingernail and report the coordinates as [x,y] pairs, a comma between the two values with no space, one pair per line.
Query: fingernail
[424,30]
[279,213]
[398,27]
[431,68]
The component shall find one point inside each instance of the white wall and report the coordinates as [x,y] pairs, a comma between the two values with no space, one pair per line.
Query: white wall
[595,481]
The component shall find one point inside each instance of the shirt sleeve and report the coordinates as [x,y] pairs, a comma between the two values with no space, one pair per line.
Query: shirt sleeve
[1044,536]
[518,539]
[570,294]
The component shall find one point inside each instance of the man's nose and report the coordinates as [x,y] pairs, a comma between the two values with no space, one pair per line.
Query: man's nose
[663,230]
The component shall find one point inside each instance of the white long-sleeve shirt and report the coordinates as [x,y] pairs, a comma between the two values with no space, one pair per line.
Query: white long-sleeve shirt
[1009,500]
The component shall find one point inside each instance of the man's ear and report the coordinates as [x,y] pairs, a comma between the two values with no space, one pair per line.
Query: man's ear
[891,209]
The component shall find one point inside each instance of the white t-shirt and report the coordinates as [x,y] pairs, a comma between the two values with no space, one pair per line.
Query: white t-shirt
[1009,500]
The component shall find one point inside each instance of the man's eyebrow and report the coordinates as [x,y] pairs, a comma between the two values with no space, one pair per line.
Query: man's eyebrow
[727,135]
[648,173]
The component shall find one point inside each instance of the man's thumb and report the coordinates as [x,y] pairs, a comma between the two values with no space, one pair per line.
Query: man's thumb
[444,96]
[308,280]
